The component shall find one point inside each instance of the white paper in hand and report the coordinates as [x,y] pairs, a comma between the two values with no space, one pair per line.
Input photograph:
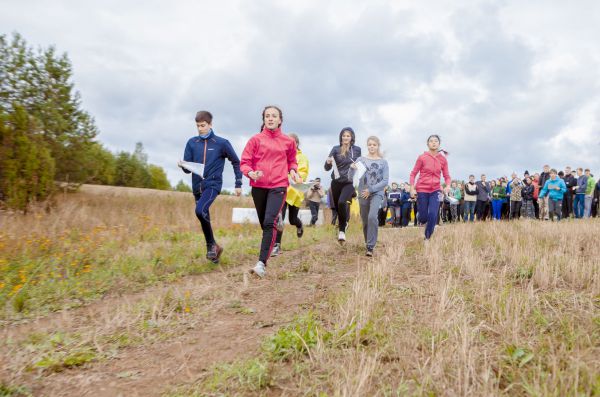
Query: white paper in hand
[336,172]
[301,187]
[359,172]
[196,168]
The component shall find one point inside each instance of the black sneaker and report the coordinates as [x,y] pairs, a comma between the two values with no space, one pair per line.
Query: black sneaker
[214,253]
[369,252]
[300,231]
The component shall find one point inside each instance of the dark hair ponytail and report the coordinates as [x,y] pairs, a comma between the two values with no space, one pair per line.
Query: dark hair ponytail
[263,115]
[444,152]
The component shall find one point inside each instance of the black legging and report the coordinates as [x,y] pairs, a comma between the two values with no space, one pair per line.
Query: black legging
[294,220]
[515,209]
[342,193]
[268,203]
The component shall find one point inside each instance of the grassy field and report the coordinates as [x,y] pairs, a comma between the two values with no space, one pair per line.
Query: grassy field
[109,293]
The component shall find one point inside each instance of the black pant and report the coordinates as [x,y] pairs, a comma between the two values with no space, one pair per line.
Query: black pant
[294,220]
[396,211]
[268,203]
[381,215]
[405,215]
[415,209]
[481,209]
[536,208]
[314,212]
[567,207]
[342,193]
[515,209]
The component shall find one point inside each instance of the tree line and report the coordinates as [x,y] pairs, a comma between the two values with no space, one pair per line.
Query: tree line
[46,136]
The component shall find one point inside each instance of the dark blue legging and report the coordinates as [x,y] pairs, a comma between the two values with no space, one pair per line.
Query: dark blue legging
[203,202]
[497,208]
[428,205]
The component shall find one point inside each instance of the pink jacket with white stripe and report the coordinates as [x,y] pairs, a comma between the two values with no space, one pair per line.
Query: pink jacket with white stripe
[273,153]
[429,168]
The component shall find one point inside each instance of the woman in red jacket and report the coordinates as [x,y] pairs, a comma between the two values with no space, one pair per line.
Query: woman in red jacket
[268,158]
[429,166]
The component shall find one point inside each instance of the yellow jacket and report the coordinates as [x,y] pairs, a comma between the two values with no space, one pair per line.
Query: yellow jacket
[294,197]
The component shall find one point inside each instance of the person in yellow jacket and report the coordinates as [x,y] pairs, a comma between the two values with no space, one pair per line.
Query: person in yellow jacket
[294,198]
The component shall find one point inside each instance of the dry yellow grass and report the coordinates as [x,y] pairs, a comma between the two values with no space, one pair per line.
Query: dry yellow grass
[481,310]
[485,309]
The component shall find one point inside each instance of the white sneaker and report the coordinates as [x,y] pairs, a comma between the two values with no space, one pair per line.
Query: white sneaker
[341,237]
[259,269]
[276,249]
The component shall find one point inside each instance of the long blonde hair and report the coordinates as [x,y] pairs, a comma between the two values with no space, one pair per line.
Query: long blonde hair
[378,142]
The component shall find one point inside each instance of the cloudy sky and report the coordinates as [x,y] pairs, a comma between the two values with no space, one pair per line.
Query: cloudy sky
[509,85]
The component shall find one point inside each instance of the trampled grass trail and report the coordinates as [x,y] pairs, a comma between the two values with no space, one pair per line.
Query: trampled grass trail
[482,309]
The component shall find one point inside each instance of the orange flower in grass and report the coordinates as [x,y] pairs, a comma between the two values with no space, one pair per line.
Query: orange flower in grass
[16,289]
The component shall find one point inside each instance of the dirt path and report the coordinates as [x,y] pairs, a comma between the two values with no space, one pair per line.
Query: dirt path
[220,331]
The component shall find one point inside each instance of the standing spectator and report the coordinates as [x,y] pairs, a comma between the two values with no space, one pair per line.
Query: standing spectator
[515,198]
[555,189]
[483,198]
[570,182]
[471,192]
[382,214]
[406,204]
[314,197]
[536,192]
[544,176]
[461,201]
[506,200]
[395,204]
[498,195]
[456,194]
[527,210]
[589,194]
[578,203]
[596,204]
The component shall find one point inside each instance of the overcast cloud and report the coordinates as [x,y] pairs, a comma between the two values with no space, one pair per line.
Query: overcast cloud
[508,85]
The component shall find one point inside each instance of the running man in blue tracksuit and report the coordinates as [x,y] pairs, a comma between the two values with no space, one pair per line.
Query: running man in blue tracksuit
[210,150]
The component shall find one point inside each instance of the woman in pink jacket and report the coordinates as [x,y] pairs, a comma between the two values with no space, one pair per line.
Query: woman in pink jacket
[429,166]
[268,158]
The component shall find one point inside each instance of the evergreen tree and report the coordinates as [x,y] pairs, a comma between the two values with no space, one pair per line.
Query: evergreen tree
[26,166]
[40,82]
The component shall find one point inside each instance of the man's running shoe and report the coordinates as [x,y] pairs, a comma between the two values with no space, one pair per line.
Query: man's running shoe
[341,237]
[300,231]
[259,270]
[369,251]
[276,249]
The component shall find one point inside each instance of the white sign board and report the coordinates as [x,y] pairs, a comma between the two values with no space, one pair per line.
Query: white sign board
[243,215]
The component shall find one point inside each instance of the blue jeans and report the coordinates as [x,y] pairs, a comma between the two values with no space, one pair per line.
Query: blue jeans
[428,205]
[497,208]
[469,211]
[578,205]
[203,202]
